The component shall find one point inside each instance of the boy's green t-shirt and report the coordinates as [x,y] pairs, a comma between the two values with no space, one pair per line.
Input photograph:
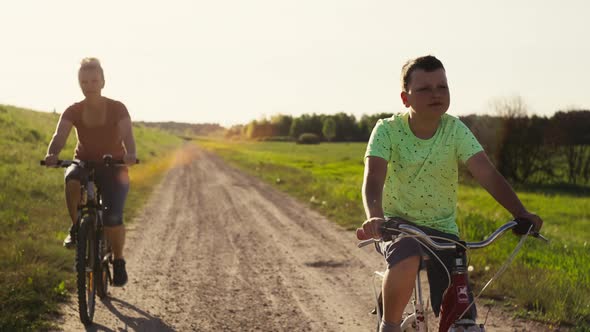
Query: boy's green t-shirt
[422,175]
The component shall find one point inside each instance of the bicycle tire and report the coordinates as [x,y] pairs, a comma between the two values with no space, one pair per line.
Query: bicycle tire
[103,273]
[85,269]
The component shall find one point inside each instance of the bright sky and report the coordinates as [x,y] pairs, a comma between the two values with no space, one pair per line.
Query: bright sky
[232,61]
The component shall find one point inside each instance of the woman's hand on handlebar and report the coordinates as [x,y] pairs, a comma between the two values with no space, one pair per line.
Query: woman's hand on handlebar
[130,159]
[51,160]
[371,229]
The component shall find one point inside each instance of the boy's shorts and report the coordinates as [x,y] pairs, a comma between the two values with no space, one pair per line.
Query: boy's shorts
[113,183]
[396,251]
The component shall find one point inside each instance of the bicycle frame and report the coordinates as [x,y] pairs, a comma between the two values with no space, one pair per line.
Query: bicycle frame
[92,249]
[91,205]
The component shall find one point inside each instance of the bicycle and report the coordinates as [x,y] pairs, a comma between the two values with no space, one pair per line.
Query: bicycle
[93,250]
[456,303]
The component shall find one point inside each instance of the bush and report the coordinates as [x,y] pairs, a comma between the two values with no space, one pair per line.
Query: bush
[308,138]
[275,139]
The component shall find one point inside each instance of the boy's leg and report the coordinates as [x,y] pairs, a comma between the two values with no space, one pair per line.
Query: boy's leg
[403,258]
[398,285]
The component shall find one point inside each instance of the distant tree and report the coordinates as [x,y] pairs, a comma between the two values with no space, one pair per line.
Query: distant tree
[306,124]
[346,127]
[367,123]
[571,135]
[510,107]
[329,129]
[259,128]
[281,124]
[520,152]
[296,128]
[486,129]
[186,129]
[234,131]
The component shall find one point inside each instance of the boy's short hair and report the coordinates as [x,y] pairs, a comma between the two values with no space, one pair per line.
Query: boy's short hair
[90,64]
[427,63]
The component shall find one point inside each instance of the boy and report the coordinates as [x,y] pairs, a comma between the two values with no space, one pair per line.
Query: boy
[411,173]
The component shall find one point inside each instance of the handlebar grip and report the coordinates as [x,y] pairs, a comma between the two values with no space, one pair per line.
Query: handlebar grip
[57,163]
[522,226]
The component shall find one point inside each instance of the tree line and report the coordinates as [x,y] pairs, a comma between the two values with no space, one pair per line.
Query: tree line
[525,149]
[534,149]
[185,130]
[340,127]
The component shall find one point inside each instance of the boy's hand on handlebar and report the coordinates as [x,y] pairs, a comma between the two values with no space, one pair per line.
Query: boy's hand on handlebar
[529,218]
[371,229]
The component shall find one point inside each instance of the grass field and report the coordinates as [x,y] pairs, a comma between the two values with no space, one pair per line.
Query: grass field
[35,271]
[548,282]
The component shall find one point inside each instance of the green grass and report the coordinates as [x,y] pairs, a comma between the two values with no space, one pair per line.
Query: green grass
[35,271]
[547,282]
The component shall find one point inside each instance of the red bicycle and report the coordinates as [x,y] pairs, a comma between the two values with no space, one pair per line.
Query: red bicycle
[454,315]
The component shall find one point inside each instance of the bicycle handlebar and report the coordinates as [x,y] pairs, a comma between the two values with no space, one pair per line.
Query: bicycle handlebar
[85,163]
[405,229]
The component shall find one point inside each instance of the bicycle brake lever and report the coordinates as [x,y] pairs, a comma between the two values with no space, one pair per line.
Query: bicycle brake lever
[539,236]
[366,242]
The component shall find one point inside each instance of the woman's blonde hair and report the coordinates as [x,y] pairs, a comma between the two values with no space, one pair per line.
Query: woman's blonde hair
[90,64]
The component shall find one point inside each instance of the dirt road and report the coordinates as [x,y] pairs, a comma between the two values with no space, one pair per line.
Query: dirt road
[216,250]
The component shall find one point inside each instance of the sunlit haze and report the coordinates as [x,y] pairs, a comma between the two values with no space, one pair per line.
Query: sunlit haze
[231,61]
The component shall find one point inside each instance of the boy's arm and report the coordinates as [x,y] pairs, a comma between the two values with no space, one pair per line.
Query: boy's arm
[491,180]
[373,181]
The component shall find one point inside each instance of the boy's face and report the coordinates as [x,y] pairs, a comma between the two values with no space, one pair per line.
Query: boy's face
[428,93]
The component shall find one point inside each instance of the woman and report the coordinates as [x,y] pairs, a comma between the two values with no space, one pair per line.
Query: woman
[103,126]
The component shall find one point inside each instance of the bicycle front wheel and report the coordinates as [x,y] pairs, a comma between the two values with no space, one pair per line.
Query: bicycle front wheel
[86,254]
[103,272]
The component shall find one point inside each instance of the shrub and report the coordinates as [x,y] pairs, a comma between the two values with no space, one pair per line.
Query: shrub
[275,139]
[308,138]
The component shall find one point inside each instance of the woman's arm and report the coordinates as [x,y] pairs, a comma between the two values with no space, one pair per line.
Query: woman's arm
[58,141]
[126,131]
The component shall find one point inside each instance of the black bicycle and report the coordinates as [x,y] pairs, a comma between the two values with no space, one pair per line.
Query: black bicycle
[93,250]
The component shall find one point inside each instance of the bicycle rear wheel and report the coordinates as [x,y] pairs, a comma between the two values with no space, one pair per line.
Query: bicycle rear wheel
[86,254]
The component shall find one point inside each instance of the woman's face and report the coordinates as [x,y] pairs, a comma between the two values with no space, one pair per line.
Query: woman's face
[91,82]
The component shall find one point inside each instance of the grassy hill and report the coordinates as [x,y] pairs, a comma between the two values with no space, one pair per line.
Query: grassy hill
[35,271]
[549,282]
